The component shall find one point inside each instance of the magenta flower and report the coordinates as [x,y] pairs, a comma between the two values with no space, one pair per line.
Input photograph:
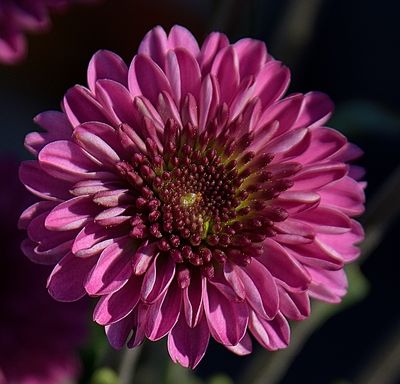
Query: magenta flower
[39,337]
[191,197]
[20,16]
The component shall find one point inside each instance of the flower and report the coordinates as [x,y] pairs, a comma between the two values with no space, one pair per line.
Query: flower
[193,198]
[39,337]
[18,17]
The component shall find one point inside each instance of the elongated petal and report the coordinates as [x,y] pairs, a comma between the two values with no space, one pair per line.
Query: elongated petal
[181,347]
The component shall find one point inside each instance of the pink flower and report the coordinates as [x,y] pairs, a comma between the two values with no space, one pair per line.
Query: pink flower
[39,337]
[191,197]
[20,16]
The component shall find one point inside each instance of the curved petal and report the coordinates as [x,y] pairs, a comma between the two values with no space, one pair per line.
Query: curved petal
[66,282]
[186,345]
[226,319]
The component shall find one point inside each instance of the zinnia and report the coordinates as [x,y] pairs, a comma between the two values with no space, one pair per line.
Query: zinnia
[191,197]
[20,16]
[39,337]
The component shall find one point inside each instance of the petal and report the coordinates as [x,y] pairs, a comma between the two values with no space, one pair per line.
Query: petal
[313,177]
[345,194]
[193,299]
[66,282]
[146,78]
[41,184]
[284,267]
[117,333]
[328,286]
[113,268]
[33,211]
[81,106]
[226,319]
[71,214]
[271,82]
[252,55]
[261,289]
[180,37]
[96,146]
[56,126]
[164,313]
[157,278]
[271,334]
[226,70]
[106,65]
[67,161]
[155,45]
[294,306]
[186,345]
[315,111]
[214,43]
[244,347]
[143,257]
[117,305]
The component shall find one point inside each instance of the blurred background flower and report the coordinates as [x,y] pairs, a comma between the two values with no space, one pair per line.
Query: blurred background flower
[18,17]
[39,337]
[344,48]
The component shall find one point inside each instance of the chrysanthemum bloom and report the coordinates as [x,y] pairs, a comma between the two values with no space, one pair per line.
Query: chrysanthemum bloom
[191,197]
[20,16]
[39,337]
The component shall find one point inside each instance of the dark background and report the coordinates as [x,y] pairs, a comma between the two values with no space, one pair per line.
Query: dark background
[346,48]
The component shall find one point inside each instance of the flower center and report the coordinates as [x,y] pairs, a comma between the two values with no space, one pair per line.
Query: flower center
[203,203]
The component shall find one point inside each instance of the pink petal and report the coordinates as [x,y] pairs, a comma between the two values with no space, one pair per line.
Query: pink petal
[260,287]
[226,70]
[117,305]
[213,44]
[193,299]
[106,65]
[66,282]
[117,333]
[157,278]
[294,306]
[284,267]
[315,111]
[92,239]
[325,143]
[329,286]
[252,55]
[345,194]
[163,314]
[113,268]
[33,211]
[116,98]
[67,161]
[143,257]
[326,220]
[146,78]
[71,214]
[180,37]
[244,347]
[344,244]
[226,319]
[56,126]
[42,184]
[271,334]
[186,345]
[97,147]
[155,45]
[271,82]
[81,106]
[313,177]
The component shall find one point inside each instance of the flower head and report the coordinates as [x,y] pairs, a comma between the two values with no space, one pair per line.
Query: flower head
[192,197]
[39,337]
[18,17]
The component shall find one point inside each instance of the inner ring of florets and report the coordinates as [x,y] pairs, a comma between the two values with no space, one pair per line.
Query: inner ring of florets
[203,204]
